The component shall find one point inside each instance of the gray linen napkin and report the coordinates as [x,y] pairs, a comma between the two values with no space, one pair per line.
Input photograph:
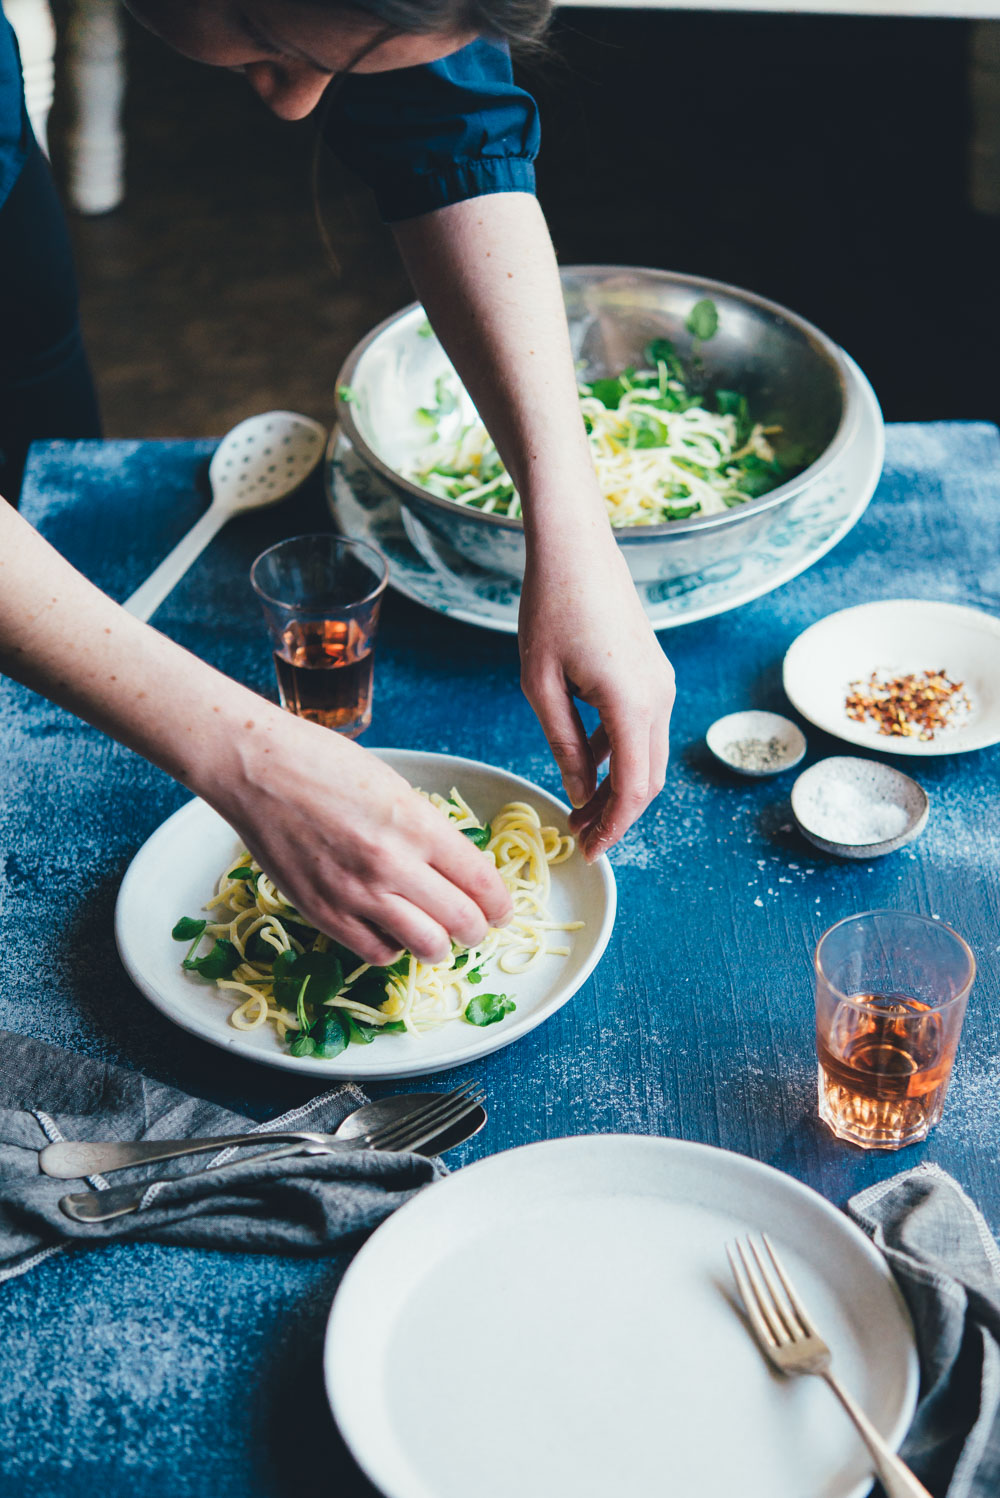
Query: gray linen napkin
[947,1265]
[307,1205]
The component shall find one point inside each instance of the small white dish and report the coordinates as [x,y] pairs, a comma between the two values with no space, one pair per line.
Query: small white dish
[756,743]
[858,808]
[561,1320]
[898,637]
[175,872]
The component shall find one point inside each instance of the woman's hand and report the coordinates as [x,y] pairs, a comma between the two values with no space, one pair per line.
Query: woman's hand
[583,633]
[487,276]
[344,837]
[356,850]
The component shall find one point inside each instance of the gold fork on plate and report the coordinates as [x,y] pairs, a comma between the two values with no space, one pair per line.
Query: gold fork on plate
[790,1341]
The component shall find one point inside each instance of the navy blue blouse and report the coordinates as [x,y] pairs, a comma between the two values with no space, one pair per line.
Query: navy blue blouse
[420,137]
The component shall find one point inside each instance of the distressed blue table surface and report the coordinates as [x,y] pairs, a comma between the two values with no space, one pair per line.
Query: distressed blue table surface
[149,1370]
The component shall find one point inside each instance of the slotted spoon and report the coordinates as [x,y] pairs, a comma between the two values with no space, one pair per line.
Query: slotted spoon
[259,462]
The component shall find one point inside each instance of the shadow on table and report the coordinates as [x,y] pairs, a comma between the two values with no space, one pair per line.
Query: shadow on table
[304,1448]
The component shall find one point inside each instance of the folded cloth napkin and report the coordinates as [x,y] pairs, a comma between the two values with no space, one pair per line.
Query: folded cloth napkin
[311,1204]
[947,1264]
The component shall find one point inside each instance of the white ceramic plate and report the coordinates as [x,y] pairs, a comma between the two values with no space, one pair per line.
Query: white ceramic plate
[559,1321]
[899,636]
[176,870]
[437,577]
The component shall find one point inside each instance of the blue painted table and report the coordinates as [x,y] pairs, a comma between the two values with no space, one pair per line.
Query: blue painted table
[149,1370]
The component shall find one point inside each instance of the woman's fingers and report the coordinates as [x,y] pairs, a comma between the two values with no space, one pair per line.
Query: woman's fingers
[639,752]
[445,904]
[561,723]
[628,778]
[414,929]
[471,874]
[600,748]
[363,939]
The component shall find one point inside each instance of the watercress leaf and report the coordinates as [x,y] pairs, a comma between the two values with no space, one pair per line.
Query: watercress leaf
[488,1008]
[370,987]
[703,320]
[187,929]
[243,872]
[361,1033]
[479,835]
[323,969]
[396,1026]
[303,1045]
[680,512]
[221,962]
[660,351]
[258,950]
[609,392]
[347,394]
[330,1034]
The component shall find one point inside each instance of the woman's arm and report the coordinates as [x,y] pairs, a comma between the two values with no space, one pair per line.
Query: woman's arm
[345,838]
[487,275]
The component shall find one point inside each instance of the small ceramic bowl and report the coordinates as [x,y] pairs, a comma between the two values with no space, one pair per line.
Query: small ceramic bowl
[756,743]
[858,808]
[899,637]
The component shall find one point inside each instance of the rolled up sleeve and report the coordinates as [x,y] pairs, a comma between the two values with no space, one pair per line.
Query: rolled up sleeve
[425,137]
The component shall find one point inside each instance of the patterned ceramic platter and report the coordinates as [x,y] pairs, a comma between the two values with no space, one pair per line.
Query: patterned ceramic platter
[423,569]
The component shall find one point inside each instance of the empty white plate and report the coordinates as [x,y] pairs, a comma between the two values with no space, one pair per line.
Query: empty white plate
[896,638]
[176,870]
[559,1321]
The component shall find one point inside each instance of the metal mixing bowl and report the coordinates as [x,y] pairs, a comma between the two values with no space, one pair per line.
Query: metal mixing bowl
[793,376]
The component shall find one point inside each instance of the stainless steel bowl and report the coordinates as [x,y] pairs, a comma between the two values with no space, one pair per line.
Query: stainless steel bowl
[793,376]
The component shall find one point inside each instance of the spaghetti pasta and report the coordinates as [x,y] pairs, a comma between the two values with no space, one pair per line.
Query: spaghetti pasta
[319,997]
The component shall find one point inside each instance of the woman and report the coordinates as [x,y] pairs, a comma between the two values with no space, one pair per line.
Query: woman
[425,107]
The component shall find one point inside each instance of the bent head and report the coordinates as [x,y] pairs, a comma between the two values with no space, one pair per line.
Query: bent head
[290,49]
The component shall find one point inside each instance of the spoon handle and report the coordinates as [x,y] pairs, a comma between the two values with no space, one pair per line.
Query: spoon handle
[71,1159]
[146,600]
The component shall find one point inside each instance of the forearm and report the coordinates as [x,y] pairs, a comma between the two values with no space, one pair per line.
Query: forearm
[487,275]
[70,642]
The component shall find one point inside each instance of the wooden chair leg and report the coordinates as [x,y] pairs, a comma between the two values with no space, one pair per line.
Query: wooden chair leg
[96,73]
[36,38]
[984,98]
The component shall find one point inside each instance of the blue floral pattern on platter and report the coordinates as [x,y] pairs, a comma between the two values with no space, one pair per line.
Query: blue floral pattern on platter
[441,579]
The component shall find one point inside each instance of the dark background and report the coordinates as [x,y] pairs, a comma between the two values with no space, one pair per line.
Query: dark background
[817,160]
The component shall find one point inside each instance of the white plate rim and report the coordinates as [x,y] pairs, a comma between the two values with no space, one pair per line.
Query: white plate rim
[338,1368]
[343,1067]
[860,736]
[867,482]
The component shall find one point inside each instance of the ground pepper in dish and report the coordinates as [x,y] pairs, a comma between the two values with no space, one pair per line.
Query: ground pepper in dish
[917,706]
[756,754]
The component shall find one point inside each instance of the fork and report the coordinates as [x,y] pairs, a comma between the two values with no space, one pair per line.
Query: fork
[71,1159]
[406,1133]
[792,1344]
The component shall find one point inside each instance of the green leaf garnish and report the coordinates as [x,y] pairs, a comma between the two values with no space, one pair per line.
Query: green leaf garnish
[243,872]
[488,1008]
[703,320]
[479,835]
[331,1034]
[292,968]
[187,929]
[221,962]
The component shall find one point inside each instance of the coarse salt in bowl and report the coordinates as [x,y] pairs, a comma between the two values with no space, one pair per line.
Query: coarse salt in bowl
[858,808]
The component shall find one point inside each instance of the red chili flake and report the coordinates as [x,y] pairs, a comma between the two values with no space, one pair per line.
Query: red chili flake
[914,706]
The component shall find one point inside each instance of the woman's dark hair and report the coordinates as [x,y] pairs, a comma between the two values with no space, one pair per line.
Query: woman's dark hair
[518,22]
